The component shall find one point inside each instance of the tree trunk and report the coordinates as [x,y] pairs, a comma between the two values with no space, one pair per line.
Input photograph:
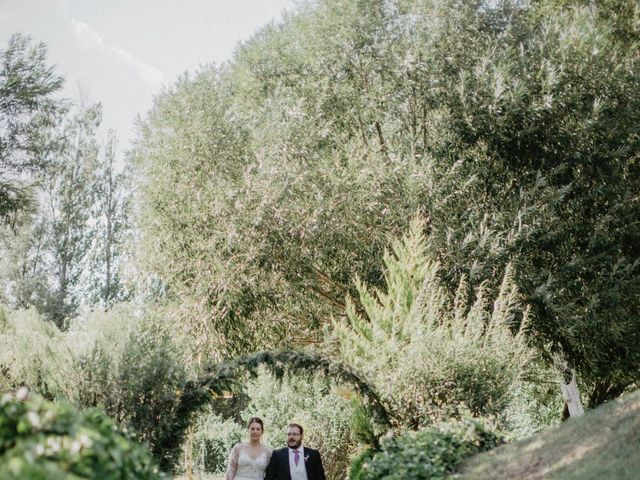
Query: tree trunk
[188,453]
[604,391]
[571,395]
[107,287]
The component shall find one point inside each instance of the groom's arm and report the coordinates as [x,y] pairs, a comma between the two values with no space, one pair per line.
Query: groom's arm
[320,471]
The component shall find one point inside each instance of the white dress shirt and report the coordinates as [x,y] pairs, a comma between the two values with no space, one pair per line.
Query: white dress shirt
[298,472]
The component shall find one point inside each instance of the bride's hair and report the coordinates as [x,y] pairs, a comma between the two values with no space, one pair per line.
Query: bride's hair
[256,420]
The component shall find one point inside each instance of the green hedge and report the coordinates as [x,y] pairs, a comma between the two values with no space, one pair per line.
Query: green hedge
[429,454]
[41,440]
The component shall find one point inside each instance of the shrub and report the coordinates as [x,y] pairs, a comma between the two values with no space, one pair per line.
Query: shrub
[356,469]
[40,440]
[433,357]
[364,427]
[33,353]
[212,441]
[429,454]
[125,362]
[536,405]
[131,367]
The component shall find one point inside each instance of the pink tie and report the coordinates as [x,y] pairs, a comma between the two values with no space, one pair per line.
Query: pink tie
[296,457]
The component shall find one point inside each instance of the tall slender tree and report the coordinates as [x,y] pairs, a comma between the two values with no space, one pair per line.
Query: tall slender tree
[110,228]
[43,264]
[67,201]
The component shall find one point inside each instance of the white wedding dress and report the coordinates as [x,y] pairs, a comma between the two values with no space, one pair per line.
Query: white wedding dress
[248,467]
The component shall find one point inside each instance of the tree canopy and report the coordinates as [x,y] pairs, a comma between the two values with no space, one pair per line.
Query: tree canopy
[271,182]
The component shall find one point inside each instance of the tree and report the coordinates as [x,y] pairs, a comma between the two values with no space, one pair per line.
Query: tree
[513,130]
[68,195]
[69,250]
[29,114]
[249,204]
[109,229]
[45,261]
[535,151]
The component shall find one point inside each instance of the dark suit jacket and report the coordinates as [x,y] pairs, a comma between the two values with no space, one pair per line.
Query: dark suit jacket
[278,468]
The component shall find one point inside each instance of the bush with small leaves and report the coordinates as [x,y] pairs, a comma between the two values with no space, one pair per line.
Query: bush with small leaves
[429,454]
[357,464]
[40,440]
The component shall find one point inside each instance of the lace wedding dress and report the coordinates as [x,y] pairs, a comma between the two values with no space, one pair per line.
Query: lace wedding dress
[247,467]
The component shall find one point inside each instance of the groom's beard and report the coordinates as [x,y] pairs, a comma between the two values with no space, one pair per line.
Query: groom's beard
[294,444]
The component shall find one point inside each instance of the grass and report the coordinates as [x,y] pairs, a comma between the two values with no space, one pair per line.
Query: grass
[604,443]
[202,476]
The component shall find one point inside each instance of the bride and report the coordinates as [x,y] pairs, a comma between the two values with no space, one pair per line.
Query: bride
[248,461]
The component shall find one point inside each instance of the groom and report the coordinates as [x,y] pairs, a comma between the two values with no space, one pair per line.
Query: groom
[295,462]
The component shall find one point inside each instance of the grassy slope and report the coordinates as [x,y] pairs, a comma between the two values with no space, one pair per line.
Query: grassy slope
[604,443]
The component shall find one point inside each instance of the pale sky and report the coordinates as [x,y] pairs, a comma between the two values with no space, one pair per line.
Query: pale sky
[121,52]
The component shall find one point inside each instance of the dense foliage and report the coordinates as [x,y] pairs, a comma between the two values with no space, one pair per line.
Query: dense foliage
[433,357]
[40,440]
[429,454]
[270,184]
[126,364]
[268,192]
[258,237]
[536,146]
[213,438]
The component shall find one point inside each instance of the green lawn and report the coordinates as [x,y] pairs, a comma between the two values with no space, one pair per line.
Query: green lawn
[604,443]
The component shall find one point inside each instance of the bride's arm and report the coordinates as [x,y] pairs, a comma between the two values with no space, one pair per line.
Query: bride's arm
[233,462]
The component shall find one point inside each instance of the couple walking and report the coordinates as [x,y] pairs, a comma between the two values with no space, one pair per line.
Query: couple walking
[254,461]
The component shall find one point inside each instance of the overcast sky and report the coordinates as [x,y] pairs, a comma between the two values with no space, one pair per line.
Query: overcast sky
[121,52]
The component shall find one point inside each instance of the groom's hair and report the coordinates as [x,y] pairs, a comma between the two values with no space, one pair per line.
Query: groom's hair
[299,427]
